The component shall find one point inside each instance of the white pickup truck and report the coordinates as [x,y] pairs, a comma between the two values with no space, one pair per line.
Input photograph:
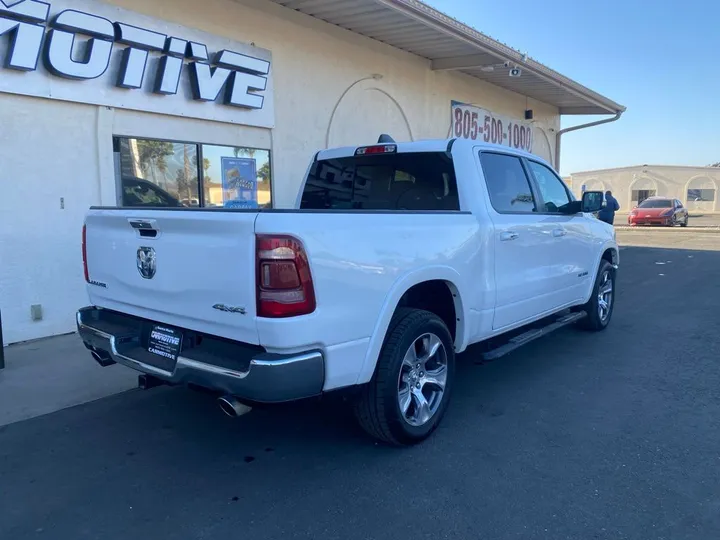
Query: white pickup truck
[397,257]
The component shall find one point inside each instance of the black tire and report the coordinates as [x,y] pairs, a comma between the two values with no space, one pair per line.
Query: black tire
[594,322]
[685,223]
[377,409]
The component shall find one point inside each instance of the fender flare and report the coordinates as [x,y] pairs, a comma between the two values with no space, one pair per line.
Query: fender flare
[610,244]
[392,299]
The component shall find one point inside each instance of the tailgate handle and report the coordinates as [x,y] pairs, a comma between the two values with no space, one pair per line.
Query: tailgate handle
[144,227]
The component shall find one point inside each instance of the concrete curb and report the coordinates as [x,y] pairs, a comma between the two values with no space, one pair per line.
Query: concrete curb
[671,230]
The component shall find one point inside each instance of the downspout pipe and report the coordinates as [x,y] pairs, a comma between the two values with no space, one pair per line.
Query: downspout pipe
[2,347]
[560,133]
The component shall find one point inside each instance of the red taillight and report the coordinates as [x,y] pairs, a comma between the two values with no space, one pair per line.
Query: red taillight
[284,283]
[84,253]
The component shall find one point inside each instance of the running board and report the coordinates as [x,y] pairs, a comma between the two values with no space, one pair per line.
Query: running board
[532,335]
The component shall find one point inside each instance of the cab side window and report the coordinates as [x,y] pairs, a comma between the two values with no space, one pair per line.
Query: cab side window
[507,183]
[554,193]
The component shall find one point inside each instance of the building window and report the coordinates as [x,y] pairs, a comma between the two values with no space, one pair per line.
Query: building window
[155,173]
[701,195]
[639,195]
[236,177]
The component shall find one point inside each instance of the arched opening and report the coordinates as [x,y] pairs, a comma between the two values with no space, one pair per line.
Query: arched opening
[701,194]
[594,185]
[381,113]
[642,188]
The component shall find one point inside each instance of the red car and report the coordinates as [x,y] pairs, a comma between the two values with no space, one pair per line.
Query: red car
[659,211]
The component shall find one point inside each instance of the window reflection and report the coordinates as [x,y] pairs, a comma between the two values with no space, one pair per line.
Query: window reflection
[507,183]
[236,177]
[554,194]
[158,173]
[155,173]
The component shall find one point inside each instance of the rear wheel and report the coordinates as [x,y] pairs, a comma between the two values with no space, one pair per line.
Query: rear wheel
[602,301]
[409,393]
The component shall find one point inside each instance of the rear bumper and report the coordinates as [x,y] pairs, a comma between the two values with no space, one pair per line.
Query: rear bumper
[245,372]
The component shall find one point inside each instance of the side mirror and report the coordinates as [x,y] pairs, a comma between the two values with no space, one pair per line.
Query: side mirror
[573,207]
[592,201]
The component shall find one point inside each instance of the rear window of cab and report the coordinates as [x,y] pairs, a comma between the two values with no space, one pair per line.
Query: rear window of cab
[423,181]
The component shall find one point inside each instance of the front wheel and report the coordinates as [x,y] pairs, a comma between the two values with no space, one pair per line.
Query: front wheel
[409,392]
[685,223]
[602,301]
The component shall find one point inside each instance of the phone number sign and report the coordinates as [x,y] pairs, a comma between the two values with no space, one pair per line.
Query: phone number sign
[470,122]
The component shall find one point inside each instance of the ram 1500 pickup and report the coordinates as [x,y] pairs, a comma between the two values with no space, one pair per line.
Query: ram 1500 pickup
[396,258]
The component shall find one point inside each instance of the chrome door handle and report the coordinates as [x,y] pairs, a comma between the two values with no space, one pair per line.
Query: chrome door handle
[509,235]
[557,233]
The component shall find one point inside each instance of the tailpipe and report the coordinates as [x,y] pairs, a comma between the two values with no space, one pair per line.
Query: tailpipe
[232,406]
[102,358]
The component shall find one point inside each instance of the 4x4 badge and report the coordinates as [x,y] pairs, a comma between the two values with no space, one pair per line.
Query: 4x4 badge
[230,309]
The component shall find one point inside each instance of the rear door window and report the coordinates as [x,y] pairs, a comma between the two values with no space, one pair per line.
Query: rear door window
[507,183]
[423,181]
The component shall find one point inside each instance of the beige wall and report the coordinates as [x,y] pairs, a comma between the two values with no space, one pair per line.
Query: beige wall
[666,181]
[314,63]
[63,162]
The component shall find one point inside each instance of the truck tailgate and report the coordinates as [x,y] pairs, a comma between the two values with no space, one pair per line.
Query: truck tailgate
[190,269]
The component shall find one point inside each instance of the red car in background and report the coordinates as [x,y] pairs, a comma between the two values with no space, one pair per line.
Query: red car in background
[659,211]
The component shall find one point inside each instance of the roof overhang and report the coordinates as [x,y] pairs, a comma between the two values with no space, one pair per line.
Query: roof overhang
[417,28]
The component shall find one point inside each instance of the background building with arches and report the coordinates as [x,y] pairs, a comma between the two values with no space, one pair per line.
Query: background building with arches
[220,103]
[696,187]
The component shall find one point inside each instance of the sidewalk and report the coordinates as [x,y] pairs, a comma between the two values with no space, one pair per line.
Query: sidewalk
[48,375]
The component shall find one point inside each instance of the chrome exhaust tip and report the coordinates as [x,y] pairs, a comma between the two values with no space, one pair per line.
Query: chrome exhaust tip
[231,406]
[102,358]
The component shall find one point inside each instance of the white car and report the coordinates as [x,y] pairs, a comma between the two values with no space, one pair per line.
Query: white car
[397,257]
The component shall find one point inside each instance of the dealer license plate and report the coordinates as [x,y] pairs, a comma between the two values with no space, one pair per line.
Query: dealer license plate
[165,342]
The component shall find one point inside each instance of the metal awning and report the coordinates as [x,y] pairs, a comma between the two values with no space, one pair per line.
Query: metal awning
[417,28]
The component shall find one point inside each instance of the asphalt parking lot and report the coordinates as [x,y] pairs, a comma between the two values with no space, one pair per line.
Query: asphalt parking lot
[577,436]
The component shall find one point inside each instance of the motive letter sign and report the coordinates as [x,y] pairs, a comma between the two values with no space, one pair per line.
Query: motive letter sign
[470,122]
[119,58]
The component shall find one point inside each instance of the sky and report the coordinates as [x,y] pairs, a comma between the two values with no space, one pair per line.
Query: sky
[660,59]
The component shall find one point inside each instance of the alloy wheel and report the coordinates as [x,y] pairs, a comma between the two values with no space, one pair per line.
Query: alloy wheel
[605,295]
[422,380]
